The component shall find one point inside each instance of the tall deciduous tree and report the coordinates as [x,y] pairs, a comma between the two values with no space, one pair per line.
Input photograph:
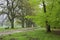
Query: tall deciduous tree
[47,24]
[11,11]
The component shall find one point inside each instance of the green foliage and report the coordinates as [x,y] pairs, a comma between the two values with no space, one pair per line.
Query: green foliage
[39,16]
[52,14]
[33,9]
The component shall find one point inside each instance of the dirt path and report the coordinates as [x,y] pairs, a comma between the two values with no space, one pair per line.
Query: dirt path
[16,31]
[56,31]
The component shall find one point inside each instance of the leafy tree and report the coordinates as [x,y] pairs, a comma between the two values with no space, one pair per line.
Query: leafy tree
[47,16]
[26,10]
[10,13]
[47,24]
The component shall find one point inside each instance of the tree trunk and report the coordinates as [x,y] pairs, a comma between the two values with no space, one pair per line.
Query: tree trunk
[28,23]
[22,22]
[12,23]
[47,24]
[47,27]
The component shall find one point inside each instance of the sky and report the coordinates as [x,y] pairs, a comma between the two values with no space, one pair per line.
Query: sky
[2,2]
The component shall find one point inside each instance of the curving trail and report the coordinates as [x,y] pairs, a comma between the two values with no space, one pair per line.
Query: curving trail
[7,32]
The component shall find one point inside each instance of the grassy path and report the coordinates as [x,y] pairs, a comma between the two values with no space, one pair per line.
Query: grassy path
[16,31]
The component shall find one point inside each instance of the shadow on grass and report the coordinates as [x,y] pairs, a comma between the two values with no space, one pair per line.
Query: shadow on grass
[56,31]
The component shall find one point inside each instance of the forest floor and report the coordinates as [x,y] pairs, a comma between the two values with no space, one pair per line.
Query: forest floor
[56,31]
[7,32]
[12,31]
[32,34]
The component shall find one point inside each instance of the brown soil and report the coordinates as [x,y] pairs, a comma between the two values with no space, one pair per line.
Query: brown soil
[56,31]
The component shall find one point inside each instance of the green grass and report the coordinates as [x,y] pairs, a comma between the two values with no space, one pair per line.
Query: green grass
[37,34]
[3,29]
